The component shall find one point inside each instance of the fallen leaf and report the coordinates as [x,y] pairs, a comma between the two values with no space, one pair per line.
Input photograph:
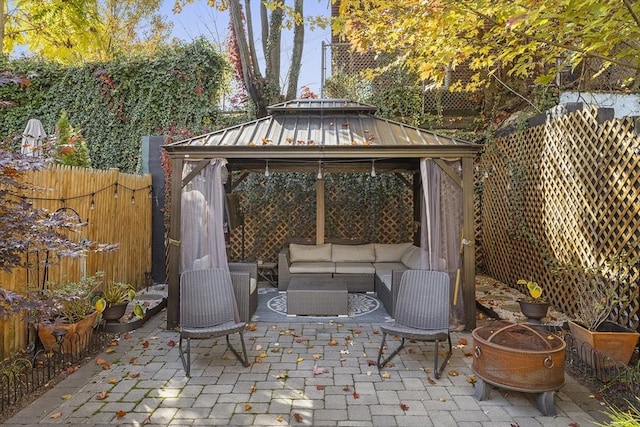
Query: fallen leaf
[110,350]
[431,380]
[67,396]
[300,359]
[134,374]
[320,387]
[298,417]
[346,388]
[113,380]
[145,344]
[279,418]
[453,373]
[102,395]
[100,361]
[371,363]
[247,407]
[71,369]
[386,375]
[356,395]
[442,399]
[333,342]
[121,413]
[258,347]
[127,335]
[462,341]
[404,407]
[56,415]
[252,327]
[317,356]
[114,343]
[133,360]
[106,366]
[171,343]
[472,379]
[147,420]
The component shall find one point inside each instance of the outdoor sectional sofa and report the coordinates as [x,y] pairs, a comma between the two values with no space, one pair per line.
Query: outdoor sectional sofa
[373,267]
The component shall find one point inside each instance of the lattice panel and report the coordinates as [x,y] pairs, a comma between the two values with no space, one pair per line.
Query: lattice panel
[391,222]
[567,191]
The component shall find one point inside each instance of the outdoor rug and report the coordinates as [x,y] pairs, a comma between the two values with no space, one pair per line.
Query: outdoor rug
[272,307]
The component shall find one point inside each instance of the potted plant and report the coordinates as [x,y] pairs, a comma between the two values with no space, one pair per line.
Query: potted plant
[606,288]
[114,301]
[72,310]
[534,306]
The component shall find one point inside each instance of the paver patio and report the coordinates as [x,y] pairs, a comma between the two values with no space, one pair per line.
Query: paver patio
[303,373]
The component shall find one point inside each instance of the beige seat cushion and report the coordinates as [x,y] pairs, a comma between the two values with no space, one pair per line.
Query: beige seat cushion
[312,267]
[412,258]
[355,268]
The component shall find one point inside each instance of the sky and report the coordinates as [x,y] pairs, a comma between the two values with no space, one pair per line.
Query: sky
[201,20]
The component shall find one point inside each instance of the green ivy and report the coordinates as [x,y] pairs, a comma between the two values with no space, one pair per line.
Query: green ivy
[116,103]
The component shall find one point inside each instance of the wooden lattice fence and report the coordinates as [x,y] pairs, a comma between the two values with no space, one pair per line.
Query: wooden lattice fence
[566,192]
[116,208]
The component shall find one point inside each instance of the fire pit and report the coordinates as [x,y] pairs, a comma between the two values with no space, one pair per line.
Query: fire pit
[520,357]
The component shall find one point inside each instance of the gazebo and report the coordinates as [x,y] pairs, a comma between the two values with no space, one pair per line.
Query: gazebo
[323,136]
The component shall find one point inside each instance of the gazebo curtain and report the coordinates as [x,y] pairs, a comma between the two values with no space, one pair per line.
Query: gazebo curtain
[441,225]
[202,225]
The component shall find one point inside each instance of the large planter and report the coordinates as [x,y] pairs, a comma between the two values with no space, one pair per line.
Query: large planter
[76,339]
[534,311]
[611,339]
[114,312]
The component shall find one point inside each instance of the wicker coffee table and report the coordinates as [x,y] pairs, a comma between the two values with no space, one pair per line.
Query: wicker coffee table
[317,297]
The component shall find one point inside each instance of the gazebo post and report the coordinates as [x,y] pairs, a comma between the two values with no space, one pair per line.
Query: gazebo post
[173,244]
[468,233]
[320,211]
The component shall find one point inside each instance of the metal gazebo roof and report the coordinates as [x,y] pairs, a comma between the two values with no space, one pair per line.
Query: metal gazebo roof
[322,129]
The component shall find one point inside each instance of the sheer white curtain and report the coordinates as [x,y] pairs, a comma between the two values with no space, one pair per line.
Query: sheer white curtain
[441,225]
[202,222]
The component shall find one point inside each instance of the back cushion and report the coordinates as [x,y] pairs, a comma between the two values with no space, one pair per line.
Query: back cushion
[353,253]
[299,252]
[390,252]
[411,258]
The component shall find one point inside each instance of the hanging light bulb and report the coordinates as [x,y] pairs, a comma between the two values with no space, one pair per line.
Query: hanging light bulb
[93,203]
[373,168]
[319,169]
[133,198]
[266,170]
[115,193]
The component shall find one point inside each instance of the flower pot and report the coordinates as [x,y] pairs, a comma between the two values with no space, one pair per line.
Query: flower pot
[114,312]
[612,340]
[77,336]
[534,311]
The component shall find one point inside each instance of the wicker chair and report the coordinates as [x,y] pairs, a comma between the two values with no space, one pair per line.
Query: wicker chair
[244,277]
[421,313]
[208,310]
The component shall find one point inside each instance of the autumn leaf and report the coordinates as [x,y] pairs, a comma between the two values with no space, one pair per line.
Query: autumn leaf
[356,395]
[453,373]
[102,395]
[247,407]
[171,343]
[333,342]
[106,366]
[279,418]
[146,421]
[71,369]
[317,356]
[114,343]
[134,374]
[472,379]
[56,415]
[431,380]
[113,380]
[371,363]
[252,327]
[100,361]
[121,413]
[386,375]
[319,387]
[298,417]
[145,344]
[462,341]
[133,360]
[67,396]
[127,335]
[346,388]
[300,359]
[404,407]
[109,350]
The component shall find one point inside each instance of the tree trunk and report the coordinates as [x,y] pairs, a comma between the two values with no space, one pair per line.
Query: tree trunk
[296,56]
[3,23]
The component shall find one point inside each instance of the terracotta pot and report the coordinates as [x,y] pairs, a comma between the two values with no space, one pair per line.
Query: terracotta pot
[534,311]
[114,312]
[611,339]
[76,339]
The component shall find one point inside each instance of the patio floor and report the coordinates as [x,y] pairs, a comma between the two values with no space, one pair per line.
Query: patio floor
[302,373]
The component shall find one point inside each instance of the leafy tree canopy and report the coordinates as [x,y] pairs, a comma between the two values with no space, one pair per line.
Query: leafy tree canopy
[73,32]
[529,38]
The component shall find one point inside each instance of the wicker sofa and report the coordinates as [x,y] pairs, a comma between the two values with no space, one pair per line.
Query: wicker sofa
[373,267]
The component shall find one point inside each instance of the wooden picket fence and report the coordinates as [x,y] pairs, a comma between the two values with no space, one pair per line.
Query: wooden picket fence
[116,208]
[564,192]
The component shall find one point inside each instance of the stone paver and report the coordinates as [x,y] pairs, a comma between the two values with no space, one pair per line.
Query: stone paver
[147,386]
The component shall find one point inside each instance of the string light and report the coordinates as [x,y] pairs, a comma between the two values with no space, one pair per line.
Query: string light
[319,169]
[133,197]
[150,192]
[373,168]
[93,203]
[115,192]
[266,170]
